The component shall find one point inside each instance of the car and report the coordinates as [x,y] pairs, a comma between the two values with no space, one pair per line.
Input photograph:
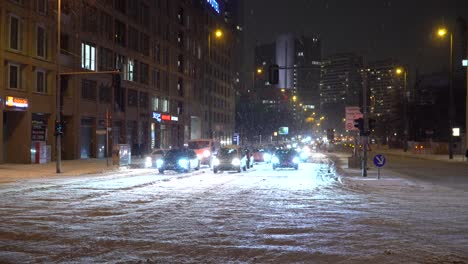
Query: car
[230,159]
[181,160]
[150,160]
[204,148]
[261,155]
[285,158]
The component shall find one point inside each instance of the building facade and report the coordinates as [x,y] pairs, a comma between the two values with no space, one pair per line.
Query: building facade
[143,70]
[340,86]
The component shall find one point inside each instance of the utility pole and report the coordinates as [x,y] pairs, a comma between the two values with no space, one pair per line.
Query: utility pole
[364,136]
[58,109]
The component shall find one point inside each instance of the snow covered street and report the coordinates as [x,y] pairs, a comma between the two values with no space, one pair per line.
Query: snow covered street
[259,216]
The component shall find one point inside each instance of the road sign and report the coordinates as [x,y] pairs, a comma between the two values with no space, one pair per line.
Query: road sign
[379,160]
[352,113]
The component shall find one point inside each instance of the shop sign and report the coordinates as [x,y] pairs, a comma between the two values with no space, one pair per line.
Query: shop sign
[166,117]
[174,118]
[16,102]
[214,4]
[157,116]
[38,130]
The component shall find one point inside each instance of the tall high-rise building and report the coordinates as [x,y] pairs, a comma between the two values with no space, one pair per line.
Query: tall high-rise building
[386,99]
[282,104]
[340,86]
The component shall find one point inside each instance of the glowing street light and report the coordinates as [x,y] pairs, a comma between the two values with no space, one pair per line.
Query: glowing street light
[441,33]
[399,71]
[259,70]
[218,33]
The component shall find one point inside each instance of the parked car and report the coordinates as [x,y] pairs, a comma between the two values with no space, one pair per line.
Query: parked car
[230,159]
[151,159]
[285,158]
[182,160]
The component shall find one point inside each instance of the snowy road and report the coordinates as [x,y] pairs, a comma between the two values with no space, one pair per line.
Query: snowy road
[260,216]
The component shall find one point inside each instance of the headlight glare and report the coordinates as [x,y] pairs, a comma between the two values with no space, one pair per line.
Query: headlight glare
[266,157]
[236,162]
[206,153]
[148,162]
[215,162]
[274,160]
[159,163]
[183,163]
[296,160]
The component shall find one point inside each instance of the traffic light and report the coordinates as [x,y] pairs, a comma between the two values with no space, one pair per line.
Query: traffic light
[371,124]
[273,74]
[359,124]
[58,128]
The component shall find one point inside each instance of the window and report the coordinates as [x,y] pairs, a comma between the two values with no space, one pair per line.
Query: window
[104,94]
[144,72]
[41,42]
[88,57]
[129,74]
[65,44]
[157,53]
[106,25]
[41,86]
[132,98]
[144,44]
[120,5]
[180,87]
[106,59]
[143,100]
[165,105]
[156,79]
[42,6]
[180,63]
[155,103]
[120,33]
[89,23]
[14,73]
[133,38]
[15,33]
[88,89]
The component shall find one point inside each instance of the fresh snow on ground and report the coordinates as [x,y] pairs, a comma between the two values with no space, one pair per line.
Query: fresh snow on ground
[258,216]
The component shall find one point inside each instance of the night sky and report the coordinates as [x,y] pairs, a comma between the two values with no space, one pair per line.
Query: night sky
[379,29]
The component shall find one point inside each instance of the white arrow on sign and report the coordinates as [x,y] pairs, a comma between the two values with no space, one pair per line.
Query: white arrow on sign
[380,160]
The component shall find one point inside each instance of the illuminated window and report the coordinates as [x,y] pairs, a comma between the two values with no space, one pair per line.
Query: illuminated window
[165,105]
[88,57]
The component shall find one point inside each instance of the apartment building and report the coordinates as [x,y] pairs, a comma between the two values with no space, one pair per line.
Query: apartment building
[134,68]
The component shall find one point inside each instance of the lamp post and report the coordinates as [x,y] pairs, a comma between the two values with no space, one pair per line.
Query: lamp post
[218,33]
[441,33]
[400,71]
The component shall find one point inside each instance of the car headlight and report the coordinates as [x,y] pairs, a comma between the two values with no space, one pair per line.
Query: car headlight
[266,157]
[148,162]
[206,153]
[304,155]
[159,163]
[235,162]
[183,163]
[215,162]
[199,156]
[274,160]
[296,160]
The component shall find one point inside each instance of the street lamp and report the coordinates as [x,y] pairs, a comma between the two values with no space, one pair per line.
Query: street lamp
[404,72]
[218,33]
[442,32]
[259,70]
